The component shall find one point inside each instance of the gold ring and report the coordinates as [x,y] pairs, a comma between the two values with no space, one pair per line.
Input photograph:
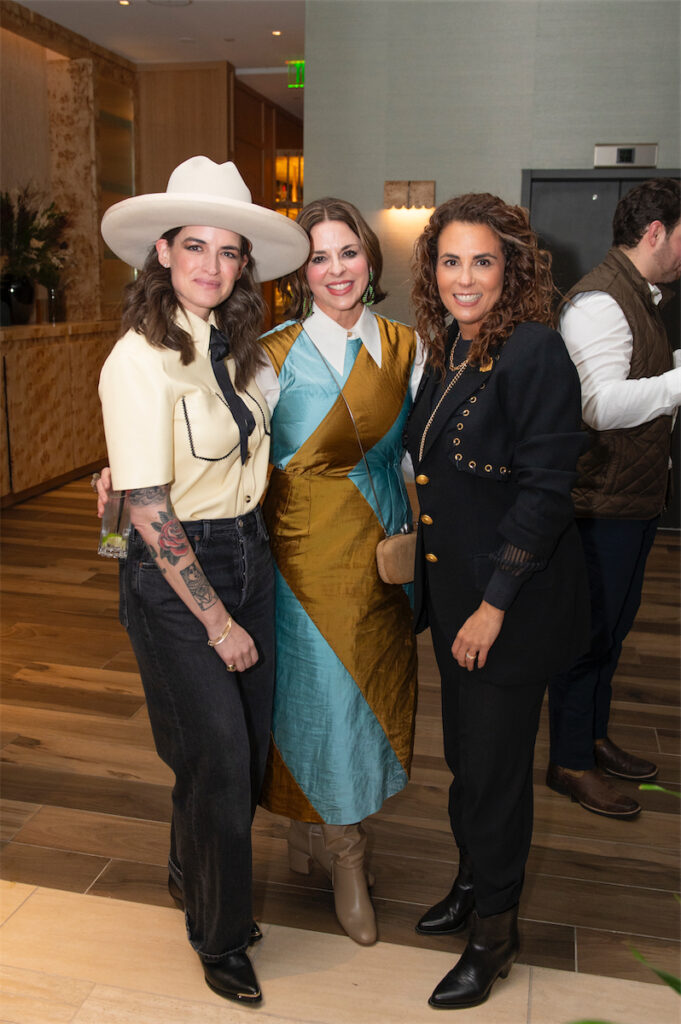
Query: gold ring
[93,480]
[231,668]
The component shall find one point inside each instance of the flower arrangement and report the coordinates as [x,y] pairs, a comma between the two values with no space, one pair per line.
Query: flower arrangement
[31,236]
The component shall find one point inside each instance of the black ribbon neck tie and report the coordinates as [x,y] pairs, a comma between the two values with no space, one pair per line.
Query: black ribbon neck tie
[243,417]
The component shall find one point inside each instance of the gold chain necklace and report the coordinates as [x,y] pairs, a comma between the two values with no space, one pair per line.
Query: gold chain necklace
[451,354]
[455,379]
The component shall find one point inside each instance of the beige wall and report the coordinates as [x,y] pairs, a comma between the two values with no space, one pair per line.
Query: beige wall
[470,92]
[25,150]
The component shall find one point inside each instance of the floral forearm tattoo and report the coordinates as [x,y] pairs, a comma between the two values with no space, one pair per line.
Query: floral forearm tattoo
[172,540]
[198,586]
[173,544]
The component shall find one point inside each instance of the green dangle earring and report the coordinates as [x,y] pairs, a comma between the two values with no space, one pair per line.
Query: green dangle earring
[307,307]
[369,296]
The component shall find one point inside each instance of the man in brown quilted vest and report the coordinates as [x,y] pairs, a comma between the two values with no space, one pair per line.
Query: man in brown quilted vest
[631,390]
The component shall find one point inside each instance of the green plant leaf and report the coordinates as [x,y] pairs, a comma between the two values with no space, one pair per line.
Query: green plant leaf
[658,789]
[32,236]
[665,976]
[590,1020]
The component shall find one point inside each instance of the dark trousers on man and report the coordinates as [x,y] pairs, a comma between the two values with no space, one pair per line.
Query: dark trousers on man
[616,551]
[489,736]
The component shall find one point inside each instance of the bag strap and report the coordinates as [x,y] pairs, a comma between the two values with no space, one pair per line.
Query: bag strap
[359,440]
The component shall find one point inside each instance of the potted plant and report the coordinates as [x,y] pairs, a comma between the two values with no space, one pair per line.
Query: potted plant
[32,250]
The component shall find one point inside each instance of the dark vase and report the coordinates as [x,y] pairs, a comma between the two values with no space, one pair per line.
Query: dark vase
[16,296]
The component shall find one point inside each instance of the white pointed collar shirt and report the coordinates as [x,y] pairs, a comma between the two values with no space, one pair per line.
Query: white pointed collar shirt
[331,340]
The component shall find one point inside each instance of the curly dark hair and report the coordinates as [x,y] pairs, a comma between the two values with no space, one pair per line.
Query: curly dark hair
[294,287]
[528,286]
[656,199]
[150,304]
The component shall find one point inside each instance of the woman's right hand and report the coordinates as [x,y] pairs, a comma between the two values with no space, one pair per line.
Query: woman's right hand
[104,489]
[238,651]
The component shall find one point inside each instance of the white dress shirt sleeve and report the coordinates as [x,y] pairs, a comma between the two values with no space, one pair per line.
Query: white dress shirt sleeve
[414,381]
[268,384]
[418,368]
[598,338]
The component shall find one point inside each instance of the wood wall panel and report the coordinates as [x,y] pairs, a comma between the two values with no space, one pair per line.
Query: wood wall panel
[249,160]
[39,412]
[5,484]
[288,130]
[87,355]
[53,417]
[249,114]
[183,111]
[25,151]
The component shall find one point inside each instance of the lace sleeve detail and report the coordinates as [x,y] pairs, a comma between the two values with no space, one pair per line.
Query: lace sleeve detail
[515,561]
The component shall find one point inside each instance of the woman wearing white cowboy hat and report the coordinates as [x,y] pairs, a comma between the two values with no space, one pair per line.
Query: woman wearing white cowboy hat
[188,439]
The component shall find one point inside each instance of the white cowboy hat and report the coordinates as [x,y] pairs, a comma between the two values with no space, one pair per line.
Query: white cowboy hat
[207,194]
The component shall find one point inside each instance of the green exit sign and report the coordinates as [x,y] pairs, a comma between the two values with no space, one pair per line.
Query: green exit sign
[296,74]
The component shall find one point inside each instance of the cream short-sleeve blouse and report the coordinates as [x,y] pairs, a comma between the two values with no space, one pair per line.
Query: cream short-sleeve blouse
[169,423]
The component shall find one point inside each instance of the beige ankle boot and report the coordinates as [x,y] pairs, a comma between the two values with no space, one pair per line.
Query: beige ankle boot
[346,845]
[306,844]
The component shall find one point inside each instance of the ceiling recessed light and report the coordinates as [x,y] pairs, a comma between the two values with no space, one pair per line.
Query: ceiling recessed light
[124,3]
[276,32]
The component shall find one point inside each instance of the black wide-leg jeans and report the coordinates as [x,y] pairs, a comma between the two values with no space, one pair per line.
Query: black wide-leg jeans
[489,736]
[210,726]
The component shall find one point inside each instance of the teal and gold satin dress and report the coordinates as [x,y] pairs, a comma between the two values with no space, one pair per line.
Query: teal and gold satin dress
[345,693]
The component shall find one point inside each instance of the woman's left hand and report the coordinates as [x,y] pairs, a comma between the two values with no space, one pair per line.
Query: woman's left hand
[476,636]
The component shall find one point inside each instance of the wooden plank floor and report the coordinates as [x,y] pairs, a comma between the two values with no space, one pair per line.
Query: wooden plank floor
[86,801]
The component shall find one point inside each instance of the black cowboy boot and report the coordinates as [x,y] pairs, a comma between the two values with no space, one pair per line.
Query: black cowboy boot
[451,913]
[492,948]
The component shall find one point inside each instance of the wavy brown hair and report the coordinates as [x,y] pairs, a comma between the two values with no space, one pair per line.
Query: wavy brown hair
[294,287]
[528,285]
[150,305]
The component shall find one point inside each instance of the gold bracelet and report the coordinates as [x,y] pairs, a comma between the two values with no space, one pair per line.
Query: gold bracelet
[223,636]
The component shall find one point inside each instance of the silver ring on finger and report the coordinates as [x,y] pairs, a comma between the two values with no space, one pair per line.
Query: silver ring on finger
[470,657]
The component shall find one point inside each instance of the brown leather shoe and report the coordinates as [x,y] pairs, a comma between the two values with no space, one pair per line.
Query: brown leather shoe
[592,790]
[612,759]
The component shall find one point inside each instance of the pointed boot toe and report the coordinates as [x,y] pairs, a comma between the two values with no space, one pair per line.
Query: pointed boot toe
[491,952]
[612,759]
[233,978]
[451,914]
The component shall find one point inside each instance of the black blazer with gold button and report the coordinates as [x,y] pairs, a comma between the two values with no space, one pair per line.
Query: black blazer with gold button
[496,467]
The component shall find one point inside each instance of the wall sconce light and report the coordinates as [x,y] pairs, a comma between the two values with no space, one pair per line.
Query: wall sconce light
[408,193]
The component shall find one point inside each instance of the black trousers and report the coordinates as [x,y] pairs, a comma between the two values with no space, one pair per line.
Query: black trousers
[616,551]
[210,726]
[489,736]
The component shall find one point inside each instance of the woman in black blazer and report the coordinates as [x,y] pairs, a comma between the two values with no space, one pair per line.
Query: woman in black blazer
[494,437]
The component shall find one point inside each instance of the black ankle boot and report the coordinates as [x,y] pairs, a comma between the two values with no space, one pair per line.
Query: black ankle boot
[451,913]
[233,978]
[178,898]
[492,948]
